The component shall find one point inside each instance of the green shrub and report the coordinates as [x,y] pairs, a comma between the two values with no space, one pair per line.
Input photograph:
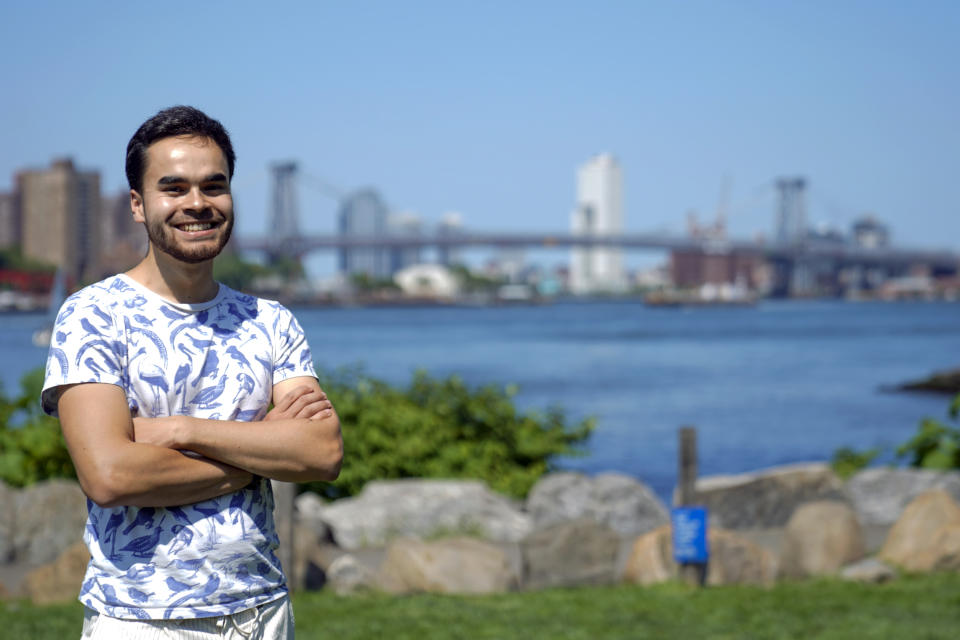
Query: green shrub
[847,461]
[435,428]
[935,445]
[440,428]
[31,445]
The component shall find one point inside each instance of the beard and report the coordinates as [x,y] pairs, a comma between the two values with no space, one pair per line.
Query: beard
[162,238]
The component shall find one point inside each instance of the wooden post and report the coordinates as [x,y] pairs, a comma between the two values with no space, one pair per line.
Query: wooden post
[283,495]
[690,573]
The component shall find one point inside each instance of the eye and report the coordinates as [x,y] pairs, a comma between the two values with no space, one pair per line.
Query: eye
[174,189]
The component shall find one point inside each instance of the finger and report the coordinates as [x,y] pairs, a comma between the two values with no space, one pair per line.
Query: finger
[314,408]
[291,396]
[303,401]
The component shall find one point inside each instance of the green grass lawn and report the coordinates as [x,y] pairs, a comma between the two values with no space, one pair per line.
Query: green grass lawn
[915,608]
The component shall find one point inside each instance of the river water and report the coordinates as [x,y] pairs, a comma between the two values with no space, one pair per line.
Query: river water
[781,382]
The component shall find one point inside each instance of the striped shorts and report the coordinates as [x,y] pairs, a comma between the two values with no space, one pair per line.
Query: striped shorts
[270,621]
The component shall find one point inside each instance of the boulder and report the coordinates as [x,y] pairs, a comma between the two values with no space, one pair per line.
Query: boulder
[820,538]
[879,495]
[60,580]
[50,517]
[8,505]
[869,570]
[733,559]
[423,508]
[308,513]
[450,565]
[651,559]
[618,501]
[580,552]
[346,575]
[944,551]
[912,539]
[765,499]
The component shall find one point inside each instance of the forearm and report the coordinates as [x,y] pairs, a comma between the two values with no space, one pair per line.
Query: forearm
[145,475]
[292,450]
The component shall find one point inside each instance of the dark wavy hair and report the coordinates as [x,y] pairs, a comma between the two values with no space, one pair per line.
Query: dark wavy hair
[175,121]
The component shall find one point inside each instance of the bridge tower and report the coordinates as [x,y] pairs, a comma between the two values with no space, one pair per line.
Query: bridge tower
[792,276]
[284,231]
[792,211]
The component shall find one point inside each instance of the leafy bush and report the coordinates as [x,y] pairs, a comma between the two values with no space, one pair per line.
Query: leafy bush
[935,445]
[434,428]
[31,445]
[440,428]
[847,461]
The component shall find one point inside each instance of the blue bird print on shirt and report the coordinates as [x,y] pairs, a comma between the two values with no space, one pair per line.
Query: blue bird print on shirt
[193,565]
[247,385]
[144,320]
[88,327]
[156,377]
[200,344]
[182,538]
[180,379]
[140,572]
[210,368]
[176,586]
[136,302]
[105,317]
[206,398]
[61,358]
[144,518]
[93,367]
[104,346]
[201,593]
[178,514]
[144,546]
[210,512]
[152,337]
[171,315]
[138,596]
[110,531]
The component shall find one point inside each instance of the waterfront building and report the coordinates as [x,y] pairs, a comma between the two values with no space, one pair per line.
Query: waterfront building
[60,214]
[404,224]
[870,233]
[451,224]
[9,221]
[123,241]
[364,214]
[599,212]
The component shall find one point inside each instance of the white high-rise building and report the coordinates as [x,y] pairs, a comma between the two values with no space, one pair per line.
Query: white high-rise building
[599,212]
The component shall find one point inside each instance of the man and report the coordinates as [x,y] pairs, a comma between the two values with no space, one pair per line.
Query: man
[161,378]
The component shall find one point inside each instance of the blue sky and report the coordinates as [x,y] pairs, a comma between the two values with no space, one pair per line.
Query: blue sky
[487,108]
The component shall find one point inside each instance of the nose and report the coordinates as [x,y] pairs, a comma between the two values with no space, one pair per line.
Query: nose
[196,202]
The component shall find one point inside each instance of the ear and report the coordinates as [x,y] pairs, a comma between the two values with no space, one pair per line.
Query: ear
[136,206]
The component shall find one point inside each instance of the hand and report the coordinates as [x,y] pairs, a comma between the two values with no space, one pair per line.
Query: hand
[302,402]
[156,431]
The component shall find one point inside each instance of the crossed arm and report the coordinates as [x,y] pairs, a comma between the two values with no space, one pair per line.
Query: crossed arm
[142,461]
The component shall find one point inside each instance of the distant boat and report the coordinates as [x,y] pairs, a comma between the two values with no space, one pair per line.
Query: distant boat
[58,293]
[705,296]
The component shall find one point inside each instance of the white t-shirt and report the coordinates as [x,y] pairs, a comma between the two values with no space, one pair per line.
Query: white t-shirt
[215,360]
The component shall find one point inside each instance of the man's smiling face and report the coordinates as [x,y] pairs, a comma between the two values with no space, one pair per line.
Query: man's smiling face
[186,202]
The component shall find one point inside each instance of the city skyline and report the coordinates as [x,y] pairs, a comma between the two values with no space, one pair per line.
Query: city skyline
[488,112]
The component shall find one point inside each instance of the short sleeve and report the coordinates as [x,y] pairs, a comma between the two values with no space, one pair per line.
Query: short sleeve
[292,355]
[83,348]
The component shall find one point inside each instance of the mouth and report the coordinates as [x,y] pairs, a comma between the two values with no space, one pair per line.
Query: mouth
[194,227]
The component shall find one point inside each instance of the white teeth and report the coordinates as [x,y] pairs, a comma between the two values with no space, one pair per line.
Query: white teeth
[196,226]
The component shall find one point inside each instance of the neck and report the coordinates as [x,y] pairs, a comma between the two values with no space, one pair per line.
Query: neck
[175,280]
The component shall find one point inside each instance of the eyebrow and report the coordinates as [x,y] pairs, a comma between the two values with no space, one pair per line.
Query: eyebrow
[213,177]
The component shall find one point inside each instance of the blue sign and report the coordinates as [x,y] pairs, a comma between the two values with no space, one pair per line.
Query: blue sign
[689,526]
